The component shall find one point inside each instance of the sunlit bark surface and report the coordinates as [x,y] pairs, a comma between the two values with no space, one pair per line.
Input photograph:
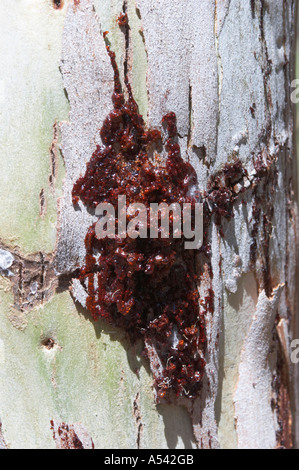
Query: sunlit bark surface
[224,67]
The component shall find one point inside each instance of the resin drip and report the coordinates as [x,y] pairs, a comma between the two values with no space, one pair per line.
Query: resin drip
[148,287]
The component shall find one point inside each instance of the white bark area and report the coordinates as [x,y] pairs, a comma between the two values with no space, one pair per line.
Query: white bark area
[224,67]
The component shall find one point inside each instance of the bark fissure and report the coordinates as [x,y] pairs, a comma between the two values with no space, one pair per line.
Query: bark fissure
[2,440]
[53,156]
[138,420]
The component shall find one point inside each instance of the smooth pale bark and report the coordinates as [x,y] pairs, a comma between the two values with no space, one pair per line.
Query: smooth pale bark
[225,68]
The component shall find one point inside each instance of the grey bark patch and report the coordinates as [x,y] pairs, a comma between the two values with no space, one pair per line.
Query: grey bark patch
[6,261]
[88,80]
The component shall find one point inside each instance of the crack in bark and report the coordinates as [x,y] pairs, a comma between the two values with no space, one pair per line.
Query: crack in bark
[141,32]
[127,40]
[189,136]
[3,444]
[252,6]
[227,6]
[53,156]
[267,68]
[281,402]
[138,420]
[42,203]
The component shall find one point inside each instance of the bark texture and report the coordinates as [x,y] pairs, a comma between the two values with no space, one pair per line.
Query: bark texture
[224,67]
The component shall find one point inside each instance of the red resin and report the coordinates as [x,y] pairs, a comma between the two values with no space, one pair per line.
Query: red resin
[221,190]
[122,19]
[148,287]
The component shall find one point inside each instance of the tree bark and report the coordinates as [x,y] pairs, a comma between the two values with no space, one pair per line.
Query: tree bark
[225,68]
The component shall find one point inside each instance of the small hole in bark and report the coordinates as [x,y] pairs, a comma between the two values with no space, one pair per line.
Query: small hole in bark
[48,343]
[201,152]
[58,4]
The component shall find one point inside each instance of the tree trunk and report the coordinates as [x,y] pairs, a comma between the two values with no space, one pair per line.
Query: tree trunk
[225,68]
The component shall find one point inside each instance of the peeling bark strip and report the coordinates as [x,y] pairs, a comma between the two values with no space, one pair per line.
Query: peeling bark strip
[255,377]
[229,87]
[88,80]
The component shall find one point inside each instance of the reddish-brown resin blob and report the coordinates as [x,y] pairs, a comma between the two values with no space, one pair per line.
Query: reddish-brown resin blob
[148,287]
[122,19]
